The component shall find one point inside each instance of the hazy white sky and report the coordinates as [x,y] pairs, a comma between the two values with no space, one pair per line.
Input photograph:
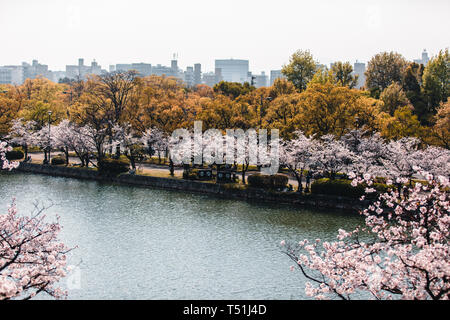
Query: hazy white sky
[58,32]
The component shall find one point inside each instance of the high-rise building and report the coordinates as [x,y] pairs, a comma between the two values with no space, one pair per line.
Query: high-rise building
[275,74]
[174,67]
[424,60]
[233,70]
[197,73]
[260,80]
[358,69]
[209,78]
[189,76]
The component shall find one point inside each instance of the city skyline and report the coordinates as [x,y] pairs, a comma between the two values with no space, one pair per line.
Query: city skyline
[57,33]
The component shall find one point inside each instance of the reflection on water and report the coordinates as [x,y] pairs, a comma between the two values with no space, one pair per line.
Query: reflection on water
[138,243]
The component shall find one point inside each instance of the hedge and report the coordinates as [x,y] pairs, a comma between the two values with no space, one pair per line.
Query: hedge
[15,154]
[58,161]
[113,167]
[272,182]
[343,188]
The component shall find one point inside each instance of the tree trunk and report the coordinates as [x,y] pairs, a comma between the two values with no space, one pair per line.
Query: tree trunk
[66,152]
[171,168]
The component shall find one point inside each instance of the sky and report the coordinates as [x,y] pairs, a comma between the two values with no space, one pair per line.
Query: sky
[265,32]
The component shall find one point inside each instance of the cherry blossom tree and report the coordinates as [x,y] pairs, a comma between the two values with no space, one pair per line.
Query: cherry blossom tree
[70,137]
[131,144]
[32,258]
[401,252]
[22,134]
[368,150]
[5,164]
[155,140]
[332,156]
[297,156]
[401,158]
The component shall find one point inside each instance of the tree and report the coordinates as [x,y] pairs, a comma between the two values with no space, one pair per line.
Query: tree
[32,258]
[368,152]
[400,158]
[281,87]
[297,156]
[343,74]
[403,124]
[330,109]
[412,84]
[130,142]
[402,251]
[436,80]
[441,127]
[10,106]
[393,97]
[331,156]
[233,89]
[22,134]
[301,69]
[69,136]
[155,141]
[383,69]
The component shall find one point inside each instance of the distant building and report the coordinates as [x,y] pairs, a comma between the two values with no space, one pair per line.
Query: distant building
[160,70]
[260,80]
[17,74]
[218,75]
[81,70]
[275,74]
[58,75]
[143,69]
[358,69]
[233,70]
[197,73]
[11,75]
[209,79]
[424,60]
[189,77]
[174,67]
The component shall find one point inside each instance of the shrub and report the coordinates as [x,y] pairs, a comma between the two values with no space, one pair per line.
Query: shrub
[343,188]
[58,161]
[339,187]
[277,181]
[15,154]
[113,167]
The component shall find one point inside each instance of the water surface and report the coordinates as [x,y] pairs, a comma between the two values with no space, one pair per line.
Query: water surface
[141,243]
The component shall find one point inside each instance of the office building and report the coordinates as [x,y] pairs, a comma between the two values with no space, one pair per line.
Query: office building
[233,70]
[260,80]
[143,69]
[275,74]
[197,73]
[359,68]
[81,70]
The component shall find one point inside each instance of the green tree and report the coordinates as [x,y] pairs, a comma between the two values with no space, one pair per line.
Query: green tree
[403,124]
[393,97]
[383,69]
[436,84]
[301,69]
[412,82]
[343,74]
[233,89]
